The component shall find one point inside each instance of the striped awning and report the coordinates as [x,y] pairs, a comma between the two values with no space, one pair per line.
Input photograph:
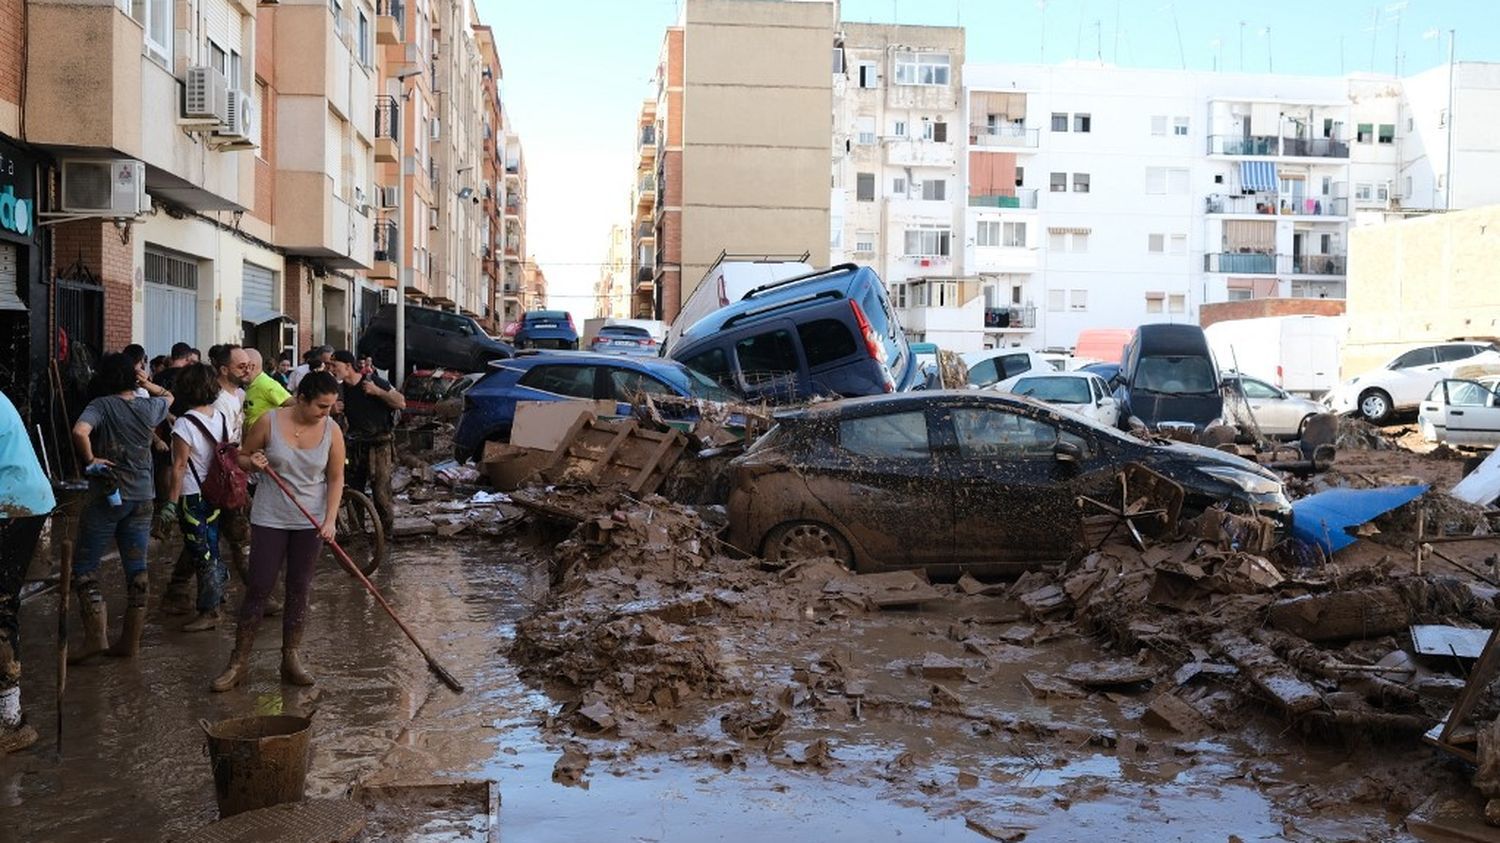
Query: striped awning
[1258,176]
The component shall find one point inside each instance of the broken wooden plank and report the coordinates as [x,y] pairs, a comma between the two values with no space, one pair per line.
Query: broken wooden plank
[1268,673]
[1342,615]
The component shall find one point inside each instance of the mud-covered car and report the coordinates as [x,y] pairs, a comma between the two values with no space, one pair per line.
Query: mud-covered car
[956,480]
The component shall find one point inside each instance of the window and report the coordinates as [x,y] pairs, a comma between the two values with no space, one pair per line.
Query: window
[572,381]
[825,340]
[1407,187]
[864,127]
[1455,353]
[1059,182]
[1080,241]
[1059,122]
[935,190]
[1081,122]
[864,242]
[1442,117]
[987,233]
[1177,303]
[714,363]
[1078,299]
[1416,357]
[1080,182]
[1180,126]
[1015,235]
[1177,181]
[1154,302]
[1156,243]
[1382,192]
[928,242]
[1166,180]
[765,357]
[921,68]
[982,433]
[898,294]
[156,17]
[1409,123]
[864,187]
[1056,300]
[867,78]
[1159,124]
[893,436]
[1156,180]
[1178,244]
[1387,133]
[363,33]
[898,186]
[218,59]
[626,385]
[1256,389]
[1362,192]
[899,128]
[1057,241]
[1364,133]
[939,132]
[1020,176]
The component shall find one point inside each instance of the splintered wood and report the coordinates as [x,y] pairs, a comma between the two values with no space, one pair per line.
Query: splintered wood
[615,453]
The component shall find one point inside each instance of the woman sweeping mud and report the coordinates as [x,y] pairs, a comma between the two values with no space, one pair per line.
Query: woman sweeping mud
[302,445]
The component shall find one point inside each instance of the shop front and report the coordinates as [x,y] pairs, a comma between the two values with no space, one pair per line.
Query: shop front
[23,311]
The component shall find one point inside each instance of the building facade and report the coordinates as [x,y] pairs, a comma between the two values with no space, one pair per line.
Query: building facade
[613,291]
[491,221]
[513,246]
[643,215]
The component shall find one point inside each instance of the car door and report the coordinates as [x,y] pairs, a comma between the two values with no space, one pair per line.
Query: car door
[627,386]
[1471,415]
[883,485]
[1013,499]
[1273,413]
[769,362]
[1106,409]
[1413,375]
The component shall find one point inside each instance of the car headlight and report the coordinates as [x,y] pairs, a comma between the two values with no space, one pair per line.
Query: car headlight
[1246,481]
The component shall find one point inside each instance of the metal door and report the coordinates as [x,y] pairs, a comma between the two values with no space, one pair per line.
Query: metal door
[171,302]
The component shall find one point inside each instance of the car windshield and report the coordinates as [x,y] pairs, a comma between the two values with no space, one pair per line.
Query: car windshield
[1176,375]
[1055,390]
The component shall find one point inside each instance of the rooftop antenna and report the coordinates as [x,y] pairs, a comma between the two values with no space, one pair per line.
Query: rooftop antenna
[1374,33]
[1396,9]
[1242,46]
[1266,31]
[1181,54]
[1217,45]
[1042,44]
[1099,40]
[1117,31]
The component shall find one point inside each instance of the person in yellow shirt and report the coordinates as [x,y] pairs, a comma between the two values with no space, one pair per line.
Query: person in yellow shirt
[264,393]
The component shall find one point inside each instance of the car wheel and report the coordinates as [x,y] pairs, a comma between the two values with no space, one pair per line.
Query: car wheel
[807,540]
[1302,425]
[1375,406]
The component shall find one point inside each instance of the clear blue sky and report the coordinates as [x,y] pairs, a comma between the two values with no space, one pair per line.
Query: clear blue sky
[577,70]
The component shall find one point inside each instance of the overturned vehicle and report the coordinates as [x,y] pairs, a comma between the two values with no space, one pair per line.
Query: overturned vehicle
[964,480]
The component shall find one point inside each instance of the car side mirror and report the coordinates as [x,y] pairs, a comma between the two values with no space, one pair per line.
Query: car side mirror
[1067,452]
[1106,401]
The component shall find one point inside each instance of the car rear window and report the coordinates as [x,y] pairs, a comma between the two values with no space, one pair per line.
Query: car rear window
[572,381]
[1059,390]
[1014,364]
[825,341]
[765,357]
[898,435]
[624,331]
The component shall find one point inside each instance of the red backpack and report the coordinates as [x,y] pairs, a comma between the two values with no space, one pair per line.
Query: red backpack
[227,485]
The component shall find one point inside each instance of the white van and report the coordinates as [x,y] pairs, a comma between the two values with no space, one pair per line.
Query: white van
[726,283]
[1299,354]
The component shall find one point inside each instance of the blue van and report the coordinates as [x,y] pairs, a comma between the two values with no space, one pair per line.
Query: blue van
[826,333]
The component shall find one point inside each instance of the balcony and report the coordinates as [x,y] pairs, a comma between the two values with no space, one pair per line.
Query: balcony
[1245,263]
[1009,318]
[1004,136]
[1318,264]
[512,247]
[387,129]
[390,22]
[644,278]
[1024,198]
[1275,145]
[512,206]
[1271,204]
[919,153]
[647,140]
[645,231]
[387,256]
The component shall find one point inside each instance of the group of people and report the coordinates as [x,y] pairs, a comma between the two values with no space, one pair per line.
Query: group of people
[150,443]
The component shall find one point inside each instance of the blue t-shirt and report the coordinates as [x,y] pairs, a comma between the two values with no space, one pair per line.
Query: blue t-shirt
[24,489]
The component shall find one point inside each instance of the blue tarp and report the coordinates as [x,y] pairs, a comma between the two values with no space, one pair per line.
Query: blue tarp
[1259,176]
[1325,518]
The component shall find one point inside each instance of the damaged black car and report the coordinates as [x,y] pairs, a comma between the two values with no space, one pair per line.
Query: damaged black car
[960,481]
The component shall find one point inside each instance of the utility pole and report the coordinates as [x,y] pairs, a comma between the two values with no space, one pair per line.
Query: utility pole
[1242,46]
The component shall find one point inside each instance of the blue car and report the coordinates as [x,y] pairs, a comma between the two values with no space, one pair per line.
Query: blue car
[490,404]
[547,329]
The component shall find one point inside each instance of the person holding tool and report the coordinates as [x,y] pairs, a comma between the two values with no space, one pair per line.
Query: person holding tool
[302,445]
[370,405]
[25,501]
[113,440]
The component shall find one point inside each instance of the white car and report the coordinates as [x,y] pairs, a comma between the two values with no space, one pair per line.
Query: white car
[1404,382]
[1276,411]
[993,365]
[1084,393]
[1462,412]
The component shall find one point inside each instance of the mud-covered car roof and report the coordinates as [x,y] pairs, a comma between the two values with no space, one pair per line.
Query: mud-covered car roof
[891,401]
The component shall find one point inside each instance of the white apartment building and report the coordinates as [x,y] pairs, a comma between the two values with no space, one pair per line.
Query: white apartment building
[1104,197]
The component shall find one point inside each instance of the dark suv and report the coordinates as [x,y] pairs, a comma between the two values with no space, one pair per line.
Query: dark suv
[435,339]
[829,333]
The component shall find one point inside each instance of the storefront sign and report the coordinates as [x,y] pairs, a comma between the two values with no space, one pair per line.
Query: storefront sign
[17,193]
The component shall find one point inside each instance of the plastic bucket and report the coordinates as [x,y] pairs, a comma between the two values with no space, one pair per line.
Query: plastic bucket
[257,761]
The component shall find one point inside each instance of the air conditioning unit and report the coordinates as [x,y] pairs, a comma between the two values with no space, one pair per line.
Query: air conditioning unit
[205,100]
[239,123]
[361,202]
[390,196]
[104,187]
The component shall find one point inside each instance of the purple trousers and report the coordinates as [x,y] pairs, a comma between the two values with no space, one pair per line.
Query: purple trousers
[269,549]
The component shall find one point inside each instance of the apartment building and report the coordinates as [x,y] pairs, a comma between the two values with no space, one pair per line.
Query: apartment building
[743,98]
[898,110]
[613,291]
[643,215]
[533,286]
[513,246]
[456,168]
[492,156]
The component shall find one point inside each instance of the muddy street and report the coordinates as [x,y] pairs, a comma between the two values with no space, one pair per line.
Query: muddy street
[907,765]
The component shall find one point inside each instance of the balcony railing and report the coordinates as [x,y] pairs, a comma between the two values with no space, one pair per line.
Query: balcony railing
[1275,145]
[1021,197]
[644,230]
[1011,135]
[648,137]
[1246,263]
[1318,264]
[1002,318]
[387,117]
[643,275]
[1272,204]
[387,240]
